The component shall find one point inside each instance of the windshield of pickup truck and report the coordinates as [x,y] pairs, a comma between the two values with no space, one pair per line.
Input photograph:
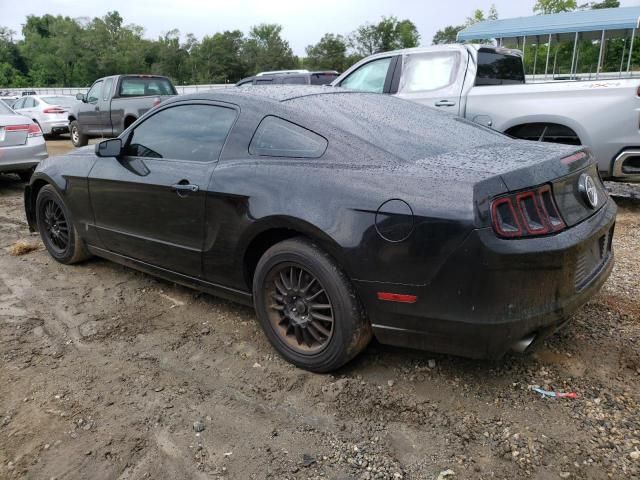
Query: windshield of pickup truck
[141,86]
[496,68]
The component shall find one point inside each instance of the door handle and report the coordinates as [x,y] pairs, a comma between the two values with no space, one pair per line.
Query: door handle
[185,188]
[445,103]
[97,109]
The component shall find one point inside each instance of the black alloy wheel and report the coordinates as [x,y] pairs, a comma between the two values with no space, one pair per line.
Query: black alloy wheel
[56,228]
[307,306]
[301,311]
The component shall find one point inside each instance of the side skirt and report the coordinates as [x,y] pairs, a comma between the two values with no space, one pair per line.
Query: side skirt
[191,282]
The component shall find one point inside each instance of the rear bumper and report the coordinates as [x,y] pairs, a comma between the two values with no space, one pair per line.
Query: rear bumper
[55,126]
[626,165]
[23,157]
[493,293]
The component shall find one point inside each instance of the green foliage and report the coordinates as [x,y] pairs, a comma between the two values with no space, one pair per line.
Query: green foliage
[447,35]
[61,51]
[388,34]
[330,53]
[266,50]
[543,7]
[603,4]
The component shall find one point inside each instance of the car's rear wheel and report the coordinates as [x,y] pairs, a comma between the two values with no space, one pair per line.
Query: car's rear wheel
[77,138]
[56,228]
[308,307]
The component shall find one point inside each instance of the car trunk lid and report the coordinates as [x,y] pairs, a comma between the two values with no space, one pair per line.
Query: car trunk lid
[14,130]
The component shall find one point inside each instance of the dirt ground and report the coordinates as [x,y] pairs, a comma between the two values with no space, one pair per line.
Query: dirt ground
[108,373]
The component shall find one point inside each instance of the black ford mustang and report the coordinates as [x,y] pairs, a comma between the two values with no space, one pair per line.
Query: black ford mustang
[340,215]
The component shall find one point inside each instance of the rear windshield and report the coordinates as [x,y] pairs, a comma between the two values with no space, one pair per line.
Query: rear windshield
[61,100]
[323,78]
[4,109]
[495,68]
[140,86]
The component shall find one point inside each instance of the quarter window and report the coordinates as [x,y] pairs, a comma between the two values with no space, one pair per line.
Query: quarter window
[370,77]
[428,71]
[94,94]
[276,137]
[184,132]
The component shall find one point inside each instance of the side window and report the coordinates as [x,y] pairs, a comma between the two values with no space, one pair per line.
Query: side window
[279,138]
[19,104]
[29,103]
[263,80]
[94,94]
[184,132]
[428,71]
[106,91]
[370,77]
[294,80]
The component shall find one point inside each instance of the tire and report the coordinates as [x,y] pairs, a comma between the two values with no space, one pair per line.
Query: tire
[56,228]
[294,319]
[77,137]
[25,175]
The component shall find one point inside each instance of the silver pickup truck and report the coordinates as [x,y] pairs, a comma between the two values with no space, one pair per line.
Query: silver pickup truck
[486,84]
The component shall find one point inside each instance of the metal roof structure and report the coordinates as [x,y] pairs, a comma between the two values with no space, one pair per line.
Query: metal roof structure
[557,23]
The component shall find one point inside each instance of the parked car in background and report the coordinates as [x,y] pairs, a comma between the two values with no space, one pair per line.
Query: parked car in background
[22,145]
[339,215]
[281,72]
[324,77]
[487,85]
[9,100]
[50,112]
[113,103]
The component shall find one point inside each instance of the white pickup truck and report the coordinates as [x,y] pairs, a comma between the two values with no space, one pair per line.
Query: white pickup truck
[486,84]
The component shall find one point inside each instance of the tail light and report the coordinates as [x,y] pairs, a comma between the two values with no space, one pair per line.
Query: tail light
[54,110]
[156,102]
[526,214]
[32,129]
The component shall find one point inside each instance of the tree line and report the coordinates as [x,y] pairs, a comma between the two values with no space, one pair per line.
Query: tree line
[64,51]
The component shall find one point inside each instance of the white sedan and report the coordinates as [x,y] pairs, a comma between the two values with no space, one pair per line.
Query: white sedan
[50,112]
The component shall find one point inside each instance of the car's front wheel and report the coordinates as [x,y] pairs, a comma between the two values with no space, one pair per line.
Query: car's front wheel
[77,137]
[308,307]
[56,228]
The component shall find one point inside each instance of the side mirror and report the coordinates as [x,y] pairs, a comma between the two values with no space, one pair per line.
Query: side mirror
[109,148]
[81,97]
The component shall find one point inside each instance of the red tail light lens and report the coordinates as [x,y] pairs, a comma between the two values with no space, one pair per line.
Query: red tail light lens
[32,129]
[54,110]
[526,214]
[156,101]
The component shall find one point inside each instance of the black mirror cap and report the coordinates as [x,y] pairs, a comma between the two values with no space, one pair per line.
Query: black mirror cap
[81,97]
[109,148]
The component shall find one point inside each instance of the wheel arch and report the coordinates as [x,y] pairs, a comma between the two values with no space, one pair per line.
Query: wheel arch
[555,120]
[270,231]
[31,195]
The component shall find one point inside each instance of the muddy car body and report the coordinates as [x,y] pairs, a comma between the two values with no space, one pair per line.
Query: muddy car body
[419,227]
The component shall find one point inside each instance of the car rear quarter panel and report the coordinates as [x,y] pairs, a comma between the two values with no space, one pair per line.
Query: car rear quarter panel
[336,206]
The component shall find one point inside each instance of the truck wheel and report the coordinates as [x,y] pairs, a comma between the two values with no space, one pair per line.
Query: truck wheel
[77,138]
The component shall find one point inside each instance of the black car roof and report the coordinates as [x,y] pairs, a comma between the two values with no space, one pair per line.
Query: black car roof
[276,93]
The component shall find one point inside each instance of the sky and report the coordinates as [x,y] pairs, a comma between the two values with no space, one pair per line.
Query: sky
[303,22]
